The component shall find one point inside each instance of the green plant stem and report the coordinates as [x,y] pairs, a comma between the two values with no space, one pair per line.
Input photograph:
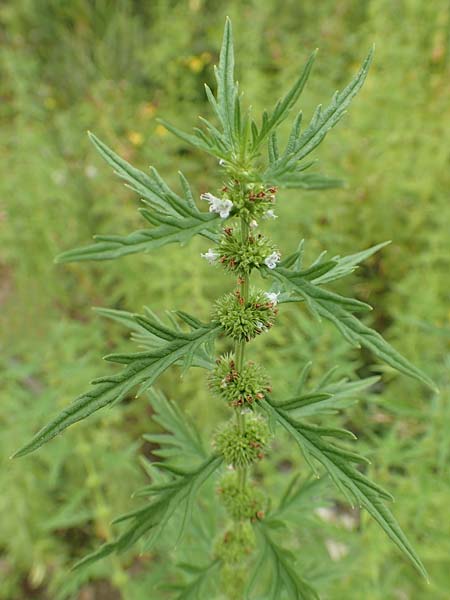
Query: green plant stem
[239,353]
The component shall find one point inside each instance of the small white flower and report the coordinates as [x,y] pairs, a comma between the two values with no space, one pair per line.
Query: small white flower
[260,325]
[272,260]
[272,297]
[222,163]
[253,224]
[218,205]
[91,171]
[270,214]
[245,411]
[211,256]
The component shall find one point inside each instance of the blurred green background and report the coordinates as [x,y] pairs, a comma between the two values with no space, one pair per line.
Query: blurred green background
[113,67]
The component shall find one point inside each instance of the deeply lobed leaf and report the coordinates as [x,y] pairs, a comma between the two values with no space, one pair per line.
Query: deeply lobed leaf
[150,520]
[174,219]
[285,577]
[302,286]
[300,145]
[142,369]
[350,481]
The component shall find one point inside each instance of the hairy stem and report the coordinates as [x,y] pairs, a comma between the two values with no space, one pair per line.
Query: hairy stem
[240,351]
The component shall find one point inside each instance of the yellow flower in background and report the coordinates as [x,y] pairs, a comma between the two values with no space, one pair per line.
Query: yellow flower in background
[160,130]
[195,64]
[135,138]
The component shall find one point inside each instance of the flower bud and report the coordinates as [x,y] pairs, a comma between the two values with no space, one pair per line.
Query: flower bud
[238,388]
[245,319]
[241,449]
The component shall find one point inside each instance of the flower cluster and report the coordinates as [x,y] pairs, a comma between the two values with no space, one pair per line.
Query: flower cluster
[241,503]
[241,449]
[238,387]
[245,319]
[252,201]
[241,257]
[237,542]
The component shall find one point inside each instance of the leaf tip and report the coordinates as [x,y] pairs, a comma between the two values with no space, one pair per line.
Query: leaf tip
[19,453]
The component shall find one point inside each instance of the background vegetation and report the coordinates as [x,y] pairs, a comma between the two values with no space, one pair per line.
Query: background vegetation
[113,67]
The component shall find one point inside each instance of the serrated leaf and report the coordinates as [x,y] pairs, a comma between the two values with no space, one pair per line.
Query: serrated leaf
[151,519]
[314,295]
[194,590]
[109,247]
[142,369]
[175,219]
[346,265]
[181,438]
[353,484]
[285,578]
[338,309]
[226,87]
[149,186]
[322,121]
[285,105]
[147,336]
[299,493]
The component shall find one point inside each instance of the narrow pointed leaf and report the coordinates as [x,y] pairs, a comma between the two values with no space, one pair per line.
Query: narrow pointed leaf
[347,477]
[226,87]
[338,309]
[347,264]
[150,520]
[285,105]
[142,369]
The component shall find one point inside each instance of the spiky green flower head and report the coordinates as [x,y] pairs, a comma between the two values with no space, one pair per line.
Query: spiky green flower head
[241,449]
[234,549]
[233,579]
[245,319]
[247,503]
[242,257]
[252,201]
[238,387]
[236,544]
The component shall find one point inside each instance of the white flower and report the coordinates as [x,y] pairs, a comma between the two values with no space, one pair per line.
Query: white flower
[90,171]
[272,297]
[270,214]
[272,260]
[253,224]
[222,163]
[211,256]
[222,206]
